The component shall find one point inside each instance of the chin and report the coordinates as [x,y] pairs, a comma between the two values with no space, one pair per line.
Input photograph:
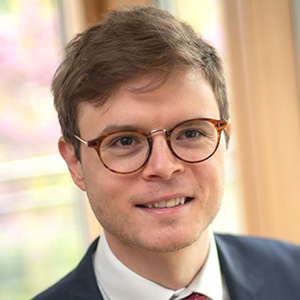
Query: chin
[164,244]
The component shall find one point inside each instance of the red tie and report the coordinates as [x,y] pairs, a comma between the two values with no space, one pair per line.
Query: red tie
[195,297]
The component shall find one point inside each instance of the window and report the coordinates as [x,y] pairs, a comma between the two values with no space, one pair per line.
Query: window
[37,198]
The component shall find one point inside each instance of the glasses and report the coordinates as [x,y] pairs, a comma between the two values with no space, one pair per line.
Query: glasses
[127,151]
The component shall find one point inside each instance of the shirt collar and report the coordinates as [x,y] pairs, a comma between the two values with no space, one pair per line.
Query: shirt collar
[209,280]
[114,278]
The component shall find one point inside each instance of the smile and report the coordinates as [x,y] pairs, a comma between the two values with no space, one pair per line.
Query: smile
[168,203]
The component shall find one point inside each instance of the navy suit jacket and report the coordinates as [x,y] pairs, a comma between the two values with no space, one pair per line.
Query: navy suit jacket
[257,269]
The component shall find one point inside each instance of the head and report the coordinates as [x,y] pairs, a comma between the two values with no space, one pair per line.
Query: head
[142,69]
[125,45]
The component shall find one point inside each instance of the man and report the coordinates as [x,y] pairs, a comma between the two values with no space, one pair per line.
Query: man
[142,104]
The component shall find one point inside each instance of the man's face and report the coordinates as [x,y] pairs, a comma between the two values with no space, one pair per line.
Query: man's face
[120,201]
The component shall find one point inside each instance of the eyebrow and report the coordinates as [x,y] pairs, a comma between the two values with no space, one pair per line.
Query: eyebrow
[129,127]
[115,127]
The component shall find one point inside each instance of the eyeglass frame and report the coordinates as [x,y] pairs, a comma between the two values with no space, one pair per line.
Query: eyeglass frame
[219,125]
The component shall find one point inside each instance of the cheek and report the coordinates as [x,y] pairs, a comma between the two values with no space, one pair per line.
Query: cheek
[97,184]
[210,176]
[101,197]
[212,171]
[106,192]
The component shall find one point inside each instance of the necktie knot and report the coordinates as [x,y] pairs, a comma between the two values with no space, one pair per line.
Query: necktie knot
[195,297]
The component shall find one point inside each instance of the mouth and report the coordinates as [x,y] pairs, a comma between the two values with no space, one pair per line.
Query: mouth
[167,203]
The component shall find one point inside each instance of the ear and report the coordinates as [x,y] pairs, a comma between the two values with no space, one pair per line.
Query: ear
[66,150]
[228,128]
[227,133]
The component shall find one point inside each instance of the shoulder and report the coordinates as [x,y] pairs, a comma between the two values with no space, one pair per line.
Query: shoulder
[261,251]
[78,284]
[263,245]
[263,268]
[58,291]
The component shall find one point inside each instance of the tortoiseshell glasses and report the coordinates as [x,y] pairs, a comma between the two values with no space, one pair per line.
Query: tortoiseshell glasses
[127,151]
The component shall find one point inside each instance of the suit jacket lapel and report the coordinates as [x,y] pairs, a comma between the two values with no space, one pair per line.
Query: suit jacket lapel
[241,277]
[84,285]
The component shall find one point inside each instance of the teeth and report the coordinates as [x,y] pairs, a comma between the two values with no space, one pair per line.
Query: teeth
[167,203]
[171,203]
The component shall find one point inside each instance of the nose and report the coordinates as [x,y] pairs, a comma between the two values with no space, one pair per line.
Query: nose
[162,164]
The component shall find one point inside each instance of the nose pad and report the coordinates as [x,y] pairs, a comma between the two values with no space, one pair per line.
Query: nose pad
[162,163]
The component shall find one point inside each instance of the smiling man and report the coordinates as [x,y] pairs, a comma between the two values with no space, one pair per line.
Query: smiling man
[142,104]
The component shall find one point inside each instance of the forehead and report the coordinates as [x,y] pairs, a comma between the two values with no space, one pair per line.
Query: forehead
[145,103]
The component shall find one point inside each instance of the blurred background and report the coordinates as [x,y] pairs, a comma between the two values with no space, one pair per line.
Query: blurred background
[45,221]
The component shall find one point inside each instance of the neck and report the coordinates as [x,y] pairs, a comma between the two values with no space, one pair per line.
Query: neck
[172,270]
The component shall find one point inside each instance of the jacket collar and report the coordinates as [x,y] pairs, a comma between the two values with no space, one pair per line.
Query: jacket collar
[84,281]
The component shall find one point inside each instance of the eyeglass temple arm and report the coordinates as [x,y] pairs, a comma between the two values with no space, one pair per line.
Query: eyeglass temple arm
[80,139]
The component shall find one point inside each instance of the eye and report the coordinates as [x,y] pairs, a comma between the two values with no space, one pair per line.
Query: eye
[189,134]
[125,141]
[123,145]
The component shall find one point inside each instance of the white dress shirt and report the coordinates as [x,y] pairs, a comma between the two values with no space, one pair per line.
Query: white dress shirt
[117,282]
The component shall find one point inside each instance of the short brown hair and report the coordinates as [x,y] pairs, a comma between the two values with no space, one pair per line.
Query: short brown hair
[126,44]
